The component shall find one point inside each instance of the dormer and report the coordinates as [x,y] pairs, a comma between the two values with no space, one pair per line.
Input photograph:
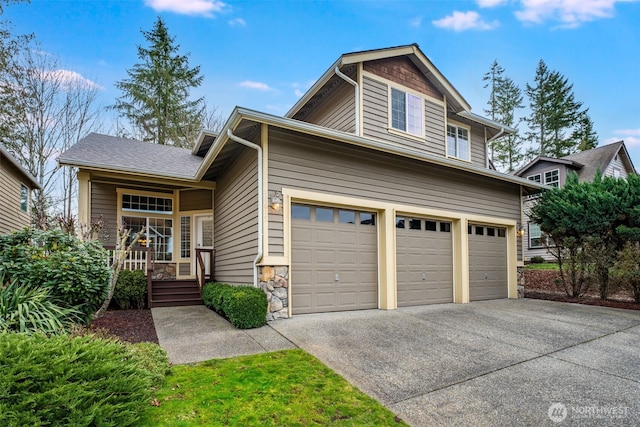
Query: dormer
[398,96]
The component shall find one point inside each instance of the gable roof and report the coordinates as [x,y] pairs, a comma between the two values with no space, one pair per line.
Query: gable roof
[600,158]
[110,153]
[587,163]
[33,182]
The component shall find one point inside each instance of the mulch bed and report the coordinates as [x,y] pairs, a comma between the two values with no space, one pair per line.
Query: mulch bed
[540,284]
[128,325]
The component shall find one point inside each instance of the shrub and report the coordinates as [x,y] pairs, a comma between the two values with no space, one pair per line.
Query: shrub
[64,380]
[32,309]
[75,272]
[152,358]
[131,290]
[213,295]
[244,306]
[537,260]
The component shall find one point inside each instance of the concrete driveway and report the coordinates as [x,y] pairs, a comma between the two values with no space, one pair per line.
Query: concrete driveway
[493,363]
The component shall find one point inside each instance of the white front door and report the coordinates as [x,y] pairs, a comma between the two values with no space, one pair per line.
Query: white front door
[204,237]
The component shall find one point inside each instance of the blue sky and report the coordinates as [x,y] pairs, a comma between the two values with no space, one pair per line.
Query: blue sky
[264,54]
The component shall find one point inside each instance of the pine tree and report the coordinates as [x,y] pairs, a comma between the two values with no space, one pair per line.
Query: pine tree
[504,99]
[584,134]
[155,97]
[555,114]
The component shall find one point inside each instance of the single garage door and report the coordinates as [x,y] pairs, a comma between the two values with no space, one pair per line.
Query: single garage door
[334,259]
[487,262]
[424,260]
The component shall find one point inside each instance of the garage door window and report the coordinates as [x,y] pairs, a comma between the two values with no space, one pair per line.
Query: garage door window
[347,217]
[367,218]
[324,214]
[430,225]
[445,227]
[399,222]
[300,212]
[415,224]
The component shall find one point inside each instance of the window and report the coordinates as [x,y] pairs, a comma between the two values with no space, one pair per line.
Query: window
[367,218]
[347,217]
[552,178]
[140,203]
[24,198]
[430,225]
[502,232]
[479,231]
[185,237]
[300,212]
[399,222]
[535,236]
[159,234]
[535,178]
[324,214]
[445,227]
[616,173]
[406,112]
[458,142]
[491,231]
[415,224]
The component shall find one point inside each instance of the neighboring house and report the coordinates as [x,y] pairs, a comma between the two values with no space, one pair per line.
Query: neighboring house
[373,191]
[15,193]
[611,160]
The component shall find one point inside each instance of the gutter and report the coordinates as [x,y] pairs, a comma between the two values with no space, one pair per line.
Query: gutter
[490,140]
[357,100]
[256,147]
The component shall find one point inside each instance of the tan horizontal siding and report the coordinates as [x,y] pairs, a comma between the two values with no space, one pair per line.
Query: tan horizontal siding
[193,200]
[338,111]
[104,201]
[298,161]
[478,150]
[12,217]
[236,220]
[375,112]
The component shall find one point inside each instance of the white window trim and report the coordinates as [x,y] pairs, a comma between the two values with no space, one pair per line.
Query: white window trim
[446,139]
[406,91]
[552,170]
[535,174]
[22,185]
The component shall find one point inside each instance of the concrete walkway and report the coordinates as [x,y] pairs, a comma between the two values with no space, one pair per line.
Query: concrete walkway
[194,333]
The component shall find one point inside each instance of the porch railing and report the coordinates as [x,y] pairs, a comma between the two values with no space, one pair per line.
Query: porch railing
[202,273]
[140,258]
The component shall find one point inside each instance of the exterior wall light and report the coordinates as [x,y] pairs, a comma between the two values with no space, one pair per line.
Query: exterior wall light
[519,230]
[276,201]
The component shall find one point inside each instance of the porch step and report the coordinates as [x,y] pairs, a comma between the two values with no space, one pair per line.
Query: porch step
[170,293]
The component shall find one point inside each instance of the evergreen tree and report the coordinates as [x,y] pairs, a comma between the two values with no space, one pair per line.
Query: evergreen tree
[584,134]
[555,114]
[504,99]
[155,97]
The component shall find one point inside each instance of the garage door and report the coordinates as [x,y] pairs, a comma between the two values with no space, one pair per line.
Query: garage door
[487,263]
[424,259]
[334,259]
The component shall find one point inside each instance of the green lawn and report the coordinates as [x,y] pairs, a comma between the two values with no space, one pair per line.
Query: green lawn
[285,388]
[545,266]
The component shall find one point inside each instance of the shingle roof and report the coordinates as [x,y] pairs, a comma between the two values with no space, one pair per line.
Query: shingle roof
[594,159]
[120,154]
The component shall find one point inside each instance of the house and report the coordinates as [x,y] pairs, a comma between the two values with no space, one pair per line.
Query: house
[15,193]
[373,191]
[611,160]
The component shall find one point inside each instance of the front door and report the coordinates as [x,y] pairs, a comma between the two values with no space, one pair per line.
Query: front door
[204,238]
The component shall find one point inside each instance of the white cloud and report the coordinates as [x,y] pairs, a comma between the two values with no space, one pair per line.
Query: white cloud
[570,13]
[69,79]
[298,92]
[461,21]
[249,84]
[491,3]
[416,22]
[238,22]
[207,8]
[631,137]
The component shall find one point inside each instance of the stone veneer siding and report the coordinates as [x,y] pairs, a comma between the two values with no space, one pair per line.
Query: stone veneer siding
[162,271]
[521,282]
[274,281]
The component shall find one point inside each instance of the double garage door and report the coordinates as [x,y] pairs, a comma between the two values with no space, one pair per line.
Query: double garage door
[335,260]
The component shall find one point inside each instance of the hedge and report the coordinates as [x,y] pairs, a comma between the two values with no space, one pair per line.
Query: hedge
[244,306]
[131,290]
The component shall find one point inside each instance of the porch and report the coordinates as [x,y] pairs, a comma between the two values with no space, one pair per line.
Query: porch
[164,289]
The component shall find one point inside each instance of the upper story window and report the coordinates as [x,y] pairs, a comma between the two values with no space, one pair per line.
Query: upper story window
[406,112]
[552,178]
[458,142]
[535,178]
[134,202]
[24,198]
[616,173]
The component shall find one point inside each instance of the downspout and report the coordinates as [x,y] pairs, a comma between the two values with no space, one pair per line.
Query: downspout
[357,100]
[493,138]
[260,201]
